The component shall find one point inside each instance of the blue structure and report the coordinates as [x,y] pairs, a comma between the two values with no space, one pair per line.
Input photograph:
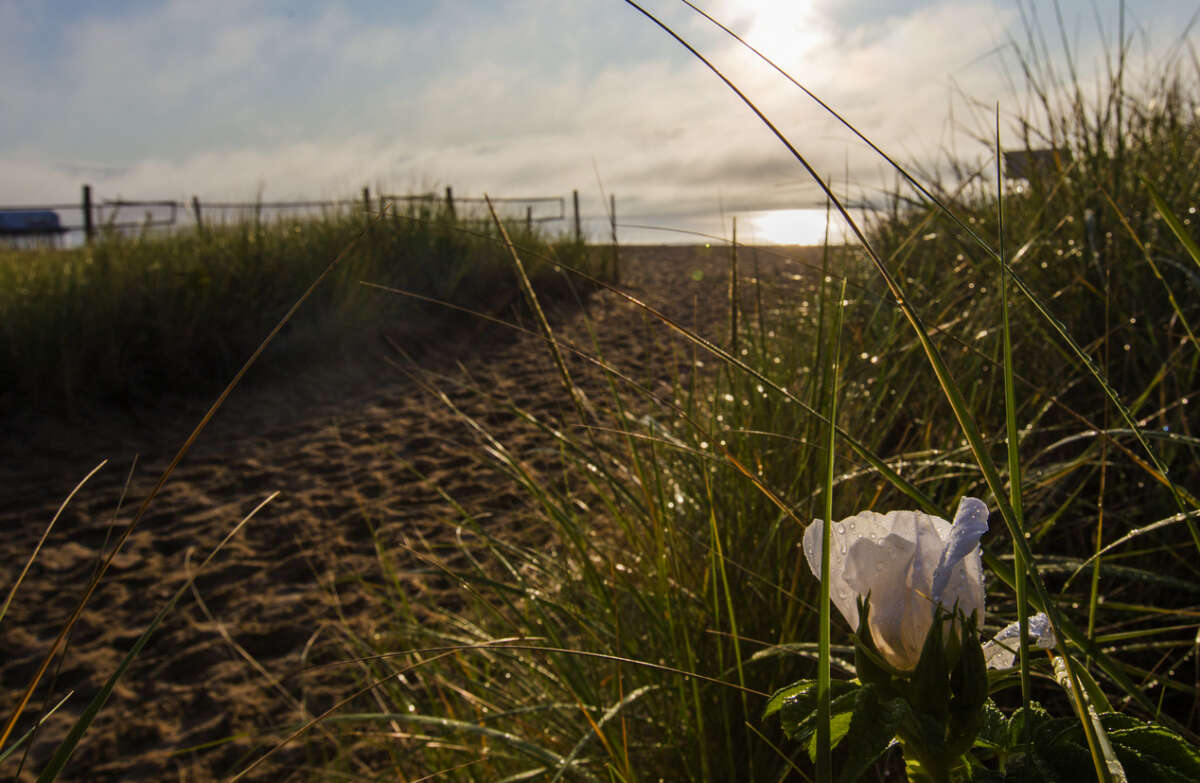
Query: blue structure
[29,222]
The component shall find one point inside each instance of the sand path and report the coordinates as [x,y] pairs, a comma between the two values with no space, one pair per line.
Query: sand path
[352,447]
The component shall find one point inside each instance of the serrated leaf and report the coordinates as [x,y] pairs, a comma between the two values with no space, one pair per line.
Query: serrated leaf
[1172,757]
[1116,721]
[795,690]
[993,733]
[798,715]
[875,723]
[1148,752]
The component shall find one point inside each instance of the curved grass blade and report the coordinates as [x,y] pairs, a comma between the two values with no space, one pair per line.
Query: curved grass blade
[824,697]
[608,715]
[45,534]
[522,745]
[26,736]
[1160,471]
[1172,220]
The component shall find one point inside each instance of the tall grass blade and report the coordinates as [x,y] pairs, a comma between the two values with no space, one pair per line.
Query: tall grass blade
[824,704]
[32,729]
[612,712]
[45,533]
[532,298]
[1173,221]
[1013,442]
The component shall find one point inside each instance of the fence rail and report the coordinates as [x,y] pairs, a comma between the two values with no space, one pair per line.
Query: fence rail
[164,213]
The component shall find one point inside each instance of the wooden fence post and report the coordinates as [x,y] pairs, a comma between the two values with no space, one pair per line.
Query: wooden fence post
[89,228]
[450,201]
[367,206]
[528,219]
[616,253]
[578,228]
[196,212]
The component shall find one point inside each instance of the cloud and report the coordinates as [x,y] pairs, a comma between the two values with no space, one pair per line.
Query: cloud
[531,97]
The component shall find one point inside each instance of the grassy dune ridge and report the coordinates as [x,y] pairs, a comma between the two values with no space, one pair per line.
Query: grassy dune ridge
[130,318]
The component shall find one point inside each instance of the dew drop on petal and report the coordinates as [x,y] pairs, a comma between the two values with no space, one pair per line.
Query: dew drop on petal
[841,529]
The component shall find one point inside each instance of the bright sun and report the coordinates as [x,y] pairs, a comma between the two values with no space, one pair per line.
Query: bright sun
[783,31]
[792,227]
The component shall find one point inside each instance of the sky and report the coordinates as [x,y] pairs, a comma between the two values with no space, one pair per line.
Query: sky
[239,99]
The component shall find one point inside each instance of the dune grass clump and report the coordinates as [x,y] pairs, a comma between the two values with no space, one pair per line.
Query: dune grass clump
[131,318]
[1032,344]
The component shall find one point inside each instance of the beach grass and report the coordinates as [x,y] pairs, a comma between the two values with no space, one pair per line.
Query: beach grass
[133,317]
[1032,344]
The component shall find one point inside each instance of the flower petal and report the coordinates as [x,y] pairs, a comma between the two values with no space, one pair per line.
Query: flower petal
[1001,651]
[897,613]
[897,572]
[842,595]
[930,534]
[866,525]
[970,523]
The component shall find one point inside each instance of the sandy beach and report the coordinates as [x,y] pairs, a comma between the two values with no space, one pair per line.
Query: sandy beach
[360,451]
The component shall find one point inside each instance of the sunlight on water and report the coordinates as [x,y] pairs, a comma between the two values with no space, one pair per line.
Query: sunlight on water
[790,227]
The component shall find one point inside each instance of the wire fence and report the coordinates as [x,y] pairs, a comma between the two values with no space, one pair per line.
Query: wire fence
[29,225]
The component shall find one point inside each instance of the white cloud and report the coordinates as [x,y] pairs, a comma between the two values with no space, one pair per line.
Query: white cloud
[531,97]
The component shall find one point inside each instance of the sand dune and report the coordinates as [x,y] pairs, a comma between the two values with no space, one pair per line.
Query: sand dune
[357,449]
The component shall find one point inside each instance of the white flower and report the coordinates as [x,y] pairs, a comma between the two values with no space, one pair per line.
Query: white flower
[909,562]
[1001,651]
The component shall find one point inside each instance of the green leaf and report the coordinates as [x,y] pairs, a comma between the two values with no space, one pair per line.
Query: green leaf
[1152,752]
[993,730]
[795,690]
[875,723]
[1148,752]
[839,724]
[798,714]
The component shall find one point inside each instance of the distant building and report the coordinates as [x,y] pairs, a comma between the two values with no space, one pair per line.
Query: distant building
[30,227]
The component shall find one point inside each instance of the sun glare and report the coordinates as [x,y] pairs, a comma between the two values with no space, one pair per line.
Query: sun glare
[791,227]
[782,31]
